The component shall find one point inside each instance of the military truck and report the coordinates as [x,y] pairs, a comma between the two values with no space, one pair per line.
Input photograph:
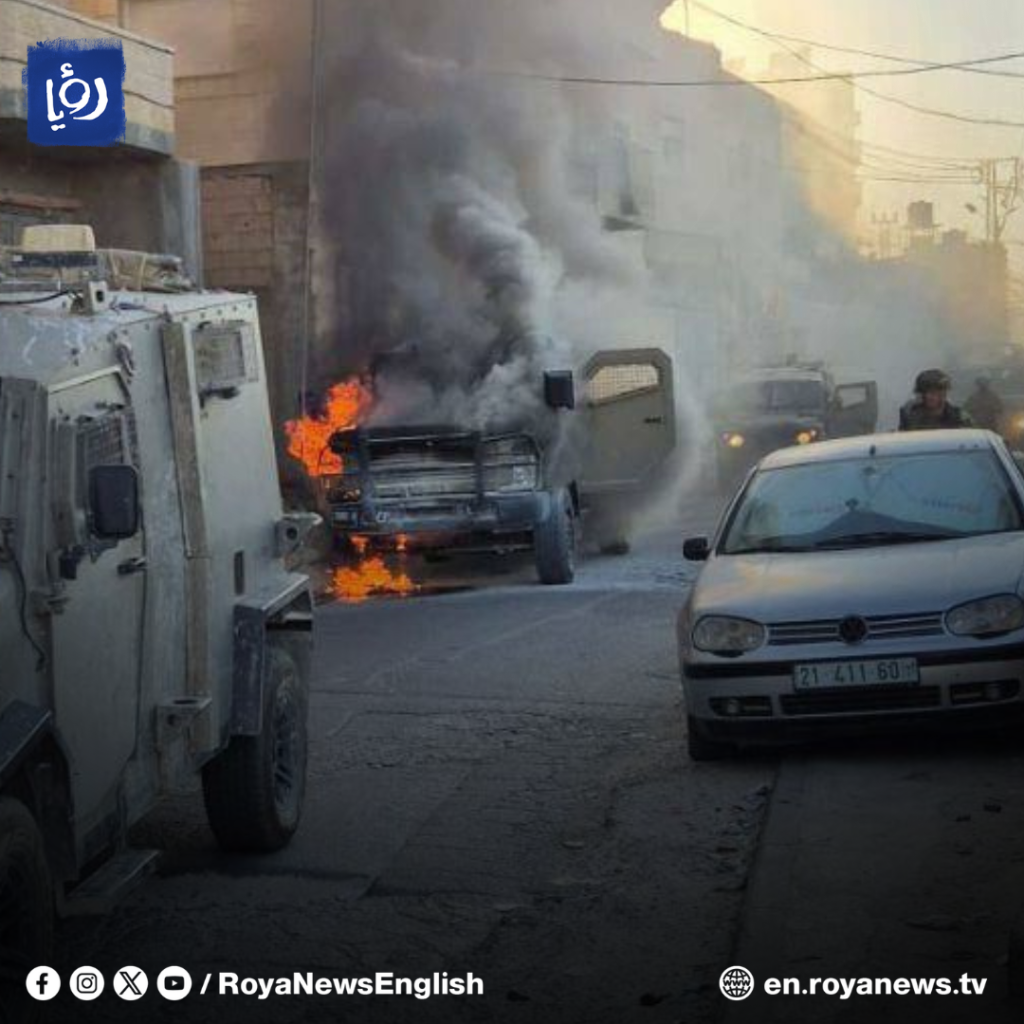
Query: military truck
[153,640]
[793,404]
[444,488]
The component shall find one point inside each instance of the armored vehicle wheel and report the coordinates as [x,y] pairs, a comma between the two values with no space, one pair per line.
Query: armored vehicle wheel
[700,748]
[554,544]
[26,909]
[254,789]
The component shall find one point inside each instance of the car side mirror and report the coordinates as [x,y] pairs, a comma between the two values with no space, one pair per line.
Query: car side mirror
[559,391]
[696,549]
[114,501]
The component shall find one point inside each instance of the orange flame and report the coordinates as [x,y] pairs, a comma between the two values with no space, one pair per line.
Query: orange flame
[372,576]
[308,437]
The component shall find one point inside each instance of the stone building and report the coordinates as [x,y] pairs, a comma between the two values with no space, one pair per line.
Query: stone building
[242,75]
[135,194]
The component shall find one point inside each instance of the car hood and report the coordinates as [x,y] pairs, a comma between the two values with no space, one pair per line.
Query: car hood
[894,579]
[767,421]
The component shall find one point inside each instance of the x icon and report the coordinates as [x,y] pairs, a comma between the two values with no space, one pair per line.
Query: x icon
[131,983]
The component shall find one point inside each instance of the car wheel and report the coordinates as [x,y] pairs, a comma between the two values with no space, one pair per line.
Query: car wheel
[554,544]
[700,748]
[26,909]
[254,790]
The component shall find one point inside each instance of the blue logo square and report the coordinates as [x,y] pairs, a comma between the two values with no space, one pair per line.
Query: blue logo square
[75,92]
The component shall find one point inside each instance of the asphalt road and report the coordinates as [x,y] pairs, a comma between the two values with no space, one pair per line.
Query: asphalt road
[498,787]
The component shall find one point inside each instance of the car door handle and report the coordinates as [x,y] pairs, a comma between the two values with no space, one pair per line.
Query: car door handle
[654,419]
[132,566]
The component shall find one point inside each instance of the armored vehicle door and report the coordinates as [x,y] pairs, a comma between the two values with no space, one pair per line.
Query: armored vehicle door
[630,419]
[97,629]
[853,409]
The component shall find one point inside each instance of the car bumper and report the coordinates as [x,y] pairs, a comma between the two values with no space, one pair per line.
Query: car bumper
[761,704]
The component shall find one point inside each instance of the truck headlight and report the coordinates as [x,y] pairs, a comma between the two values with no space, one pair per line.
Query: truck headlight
[342,489]
[990,616]
[521,476]
[510,464]
[723,634]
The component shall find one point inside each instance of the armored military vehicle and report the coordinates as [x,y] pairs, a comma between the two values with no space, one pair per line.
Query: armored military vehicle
[152,637]
[445,488]
[793,404]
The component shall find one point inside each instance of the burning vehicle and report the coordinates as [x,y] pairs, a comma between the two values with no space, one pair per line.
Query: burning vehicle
[443,488]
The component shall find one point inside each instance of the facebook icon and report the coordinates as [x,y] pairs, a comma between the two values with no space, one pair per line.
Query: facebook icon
[75,92]
[43,983]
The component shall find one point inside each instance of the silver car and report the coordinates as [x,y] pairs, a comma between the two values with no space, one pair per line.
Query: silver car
[865,582]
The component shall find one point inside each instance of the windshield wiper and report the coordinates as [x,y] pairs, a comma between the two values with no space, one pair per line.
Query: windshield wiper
[879,538]
[771,549]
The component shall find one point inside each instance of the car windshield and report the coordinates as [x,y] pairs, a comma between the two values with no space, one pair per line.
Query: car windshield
[873,501]
[770,396]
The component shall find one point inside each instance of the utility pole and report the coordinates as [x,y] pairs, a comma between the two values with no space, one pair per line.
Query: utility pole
[686,12]
[1003,181]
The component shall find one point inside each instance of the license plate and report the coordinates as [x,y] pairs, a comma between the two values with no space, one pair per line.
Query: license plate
[880,672]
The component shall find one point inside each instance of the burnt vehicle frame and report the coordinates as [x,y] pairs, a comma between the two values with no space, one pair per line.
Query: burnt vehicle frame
[440,489]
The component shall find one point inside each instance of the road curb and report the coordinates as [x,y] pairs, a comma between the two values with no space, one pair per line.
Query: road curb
[759,946]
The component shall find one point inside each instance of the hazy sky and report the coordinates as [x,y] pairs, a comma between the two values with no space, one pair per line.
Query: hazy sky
[934,30]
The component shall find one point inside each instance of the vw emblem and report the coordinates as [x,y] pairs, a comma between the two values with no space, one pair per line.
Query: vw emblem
[853,629]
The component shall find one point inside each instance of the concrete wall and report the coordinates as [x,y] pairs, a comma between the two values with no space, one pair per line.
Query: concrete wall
[254,239]
[242,75]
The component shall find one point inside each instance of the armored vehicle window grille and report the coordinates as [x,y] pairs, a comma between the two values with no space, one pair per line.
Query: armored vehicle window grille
[617,381]
[225,355]
[109,441]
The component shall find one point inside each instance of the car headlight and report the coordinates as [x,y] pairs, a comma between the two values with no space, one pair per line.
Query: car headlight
[723,634]
[806,436]
[1017,425]
[990,616]
[733,440]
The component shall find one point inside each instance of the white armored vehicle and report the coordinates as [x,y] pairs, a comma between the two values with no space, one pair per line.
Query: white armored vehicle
[150,633]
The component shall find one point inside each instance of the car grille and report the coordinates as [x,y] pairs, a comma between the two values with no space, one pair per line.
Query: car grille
[861,699]
[880,627]
[401,477]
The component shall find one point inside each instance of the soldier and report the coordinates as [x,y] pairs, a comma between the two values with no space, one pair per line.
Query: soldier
[931,410]
[984,406]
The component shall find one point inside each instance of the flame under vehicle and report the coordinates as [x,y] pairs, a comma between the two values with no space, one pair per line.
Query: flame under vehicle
[776,407]
[153,639]
[439,489]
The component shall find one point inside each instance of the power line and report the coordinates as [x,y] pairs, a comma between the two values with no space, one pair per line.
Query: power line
[733,82]
[916,108]
[965,65]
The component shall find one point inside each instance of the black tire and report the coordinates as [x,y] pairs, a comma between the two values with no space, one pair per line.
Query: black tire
[254,790]
[554,544]
[700,748]
[26,910]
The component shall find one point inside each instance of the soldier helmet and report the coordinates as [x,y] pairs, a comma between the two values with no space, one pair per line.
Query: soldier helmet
[931,380]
